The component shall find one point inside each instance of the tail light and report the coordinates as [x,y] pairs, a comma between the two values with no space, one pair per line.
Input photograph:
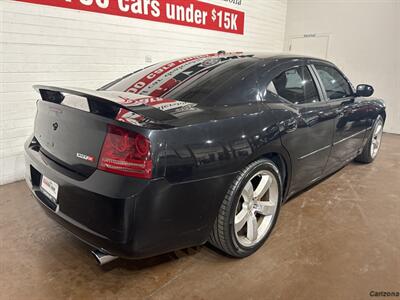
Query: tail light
[126,153]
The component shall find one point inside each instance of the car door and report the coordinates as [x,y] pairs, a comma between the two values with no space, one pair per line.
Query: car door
[351,115]
[305,120]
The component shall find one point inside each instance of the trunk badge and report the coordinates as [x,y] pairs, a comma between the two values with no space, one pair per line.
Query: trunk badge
[55,126]
[85,157]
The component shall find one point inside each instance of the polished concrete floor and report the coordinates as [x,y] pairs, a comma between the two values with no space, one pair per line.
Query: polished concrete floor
[337,240]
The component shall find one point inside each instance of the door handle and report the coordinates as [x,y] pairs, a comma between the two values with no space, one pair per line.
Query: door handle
[291,126]
[347,102]
[339,112]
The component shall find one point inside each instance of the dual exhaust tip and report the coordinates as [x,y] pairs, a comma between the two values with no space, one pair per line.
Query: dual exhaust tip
[103,258]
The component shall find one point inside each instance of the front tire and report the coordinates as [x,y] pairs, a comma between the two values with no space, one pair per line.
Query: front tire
[249,210]
[371,148]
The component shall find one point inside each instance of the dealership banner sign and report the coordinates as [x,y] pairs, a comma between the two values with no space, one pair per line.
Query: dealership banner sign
[190,13]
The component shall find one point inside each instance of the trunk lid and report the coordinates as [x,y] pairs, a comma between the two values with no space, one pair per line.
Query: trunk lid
[69,137]
[71,124]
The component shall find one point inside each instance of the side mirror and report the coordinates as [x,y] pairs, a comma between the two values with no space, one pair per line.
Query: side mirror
[364,90]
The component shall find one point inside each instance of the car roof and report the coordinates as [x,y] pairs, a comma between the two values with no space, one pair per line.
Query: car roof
[284,56]
[263,57]
[159,79]
[269,56]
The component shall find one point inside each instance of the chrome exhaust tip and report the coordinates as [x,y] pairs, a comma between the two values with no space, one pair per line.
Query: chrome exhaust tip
[103,258]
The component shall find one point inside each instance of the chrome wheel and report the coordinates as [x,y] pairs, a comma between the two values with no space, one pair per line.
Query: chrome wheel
[376,138]
[256,208]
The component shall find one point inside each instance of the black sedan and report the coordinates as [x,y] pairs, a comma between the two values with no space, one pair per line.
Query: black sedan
[204,148]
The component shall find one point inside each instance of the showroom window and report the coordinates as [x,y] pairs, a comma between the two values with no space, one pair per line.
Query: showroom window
[336,86]
[295,85]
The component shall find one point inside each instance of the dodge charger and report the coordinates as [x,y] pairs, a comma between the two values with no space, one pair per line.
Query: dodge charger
[198,149]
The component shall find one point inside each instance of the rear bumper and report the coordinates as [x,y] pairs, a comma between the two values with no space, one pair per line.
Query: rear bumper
[128,217]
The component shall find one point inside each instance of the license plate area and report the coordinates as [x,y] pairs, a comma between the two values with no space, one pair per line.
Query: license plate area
[49,188]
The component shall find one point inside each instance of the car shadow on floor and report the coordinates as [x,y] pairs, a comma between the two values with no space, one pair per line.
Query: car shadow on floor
[145,263]
[209,251]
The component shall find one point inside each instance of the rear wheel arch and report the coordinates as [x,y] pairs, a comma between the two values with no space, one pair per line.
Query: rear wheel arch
[283,166]
[382,113]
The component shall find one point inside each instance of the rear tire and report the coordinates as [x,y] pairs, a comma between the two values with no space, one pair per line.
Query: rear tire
[249,210]
[371,148]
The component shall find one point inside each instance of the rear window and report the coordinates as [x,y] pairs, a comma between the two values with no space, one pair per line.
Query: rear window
[206,80]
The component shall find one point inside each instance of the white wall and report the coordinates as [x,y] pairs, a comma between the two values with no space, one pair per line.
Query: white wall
[364,42]
[55,46]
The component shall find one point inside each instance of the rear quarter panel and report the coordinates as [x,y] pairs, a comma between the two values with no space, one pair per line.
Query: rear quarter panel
[221,146]
[201,162]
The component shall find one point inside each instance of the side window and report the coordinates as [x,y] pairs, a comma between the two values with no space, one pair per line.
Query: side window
[295,85]
[336,86]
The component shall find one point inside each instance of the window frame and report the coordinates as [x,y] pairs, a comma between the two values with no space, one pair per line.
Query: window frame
[278,70]
[313,65]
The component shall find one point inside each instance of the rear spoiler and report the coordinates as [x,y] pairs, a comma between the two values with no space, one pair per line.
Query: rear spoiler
[116,100]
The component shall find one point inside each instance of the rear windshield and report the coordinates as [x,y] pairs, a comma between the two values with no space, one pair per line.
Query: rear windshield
[205,80]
